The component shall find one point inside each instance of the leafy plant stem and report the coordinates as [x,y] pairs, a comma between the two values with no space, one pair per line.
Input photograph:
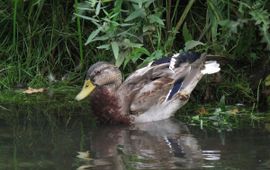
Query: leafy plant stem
[258,94]
[15,23]
[180,23]
[175,11]
[79,30]
[183,16]
[168,14]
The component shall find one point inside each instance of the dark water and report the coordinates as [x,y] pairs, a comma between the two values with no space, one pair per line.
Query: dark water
[32,139]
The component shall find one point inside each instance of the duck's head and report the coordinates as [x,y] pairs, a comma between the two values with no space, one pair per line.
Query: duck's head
[101,74]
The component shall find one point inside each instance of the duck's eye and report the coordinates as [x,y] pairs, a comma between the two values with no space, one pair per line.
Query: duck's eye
[97,72]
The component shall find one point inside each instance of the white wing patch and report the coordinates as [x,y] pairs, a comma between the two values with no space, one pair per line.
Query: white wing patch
[173,61]
[211,67]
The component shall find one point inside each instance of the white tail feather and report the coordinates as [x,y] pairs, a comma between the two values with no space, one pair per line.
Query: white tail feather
[210,67]
[173,61]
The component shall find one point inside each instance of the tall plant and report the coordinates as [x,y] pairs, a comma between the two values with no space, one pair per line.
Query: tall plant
[43,41]
[121,27]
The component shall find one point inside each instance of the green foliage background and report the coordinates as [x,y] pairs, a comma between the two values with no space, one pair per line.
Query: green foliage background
[45,42]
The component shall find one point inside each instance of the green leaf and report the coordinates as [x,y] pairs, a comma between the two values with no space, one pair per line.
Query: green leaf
[138,2]
[82,7]
[93,35]
[138,13]
[196,118]
[214,29]
[231,25]
[267,80]
[135,54]
[120,60]
[92,3]
[150,28]
[222,103]
[192,44]
[101,38]
[105,46]
[155,19]
[117,9]
[186,34]
[104,1]
[261,18]
[154,56]
[148,3]
[115,48]
[127,24]
[98,7]
[87,18]
[130,44]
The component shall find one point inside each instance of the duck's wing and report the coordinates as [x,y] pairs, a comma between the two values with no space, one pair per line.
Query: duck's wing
[166,81]
[163,81]
[144,84]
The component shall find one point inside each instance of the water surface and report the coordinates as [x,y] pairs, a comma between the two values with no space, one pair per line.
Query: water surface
[39,138]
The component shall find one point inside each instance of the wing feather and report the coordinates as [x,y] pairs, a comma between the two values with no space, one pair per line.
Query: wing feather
[159,82]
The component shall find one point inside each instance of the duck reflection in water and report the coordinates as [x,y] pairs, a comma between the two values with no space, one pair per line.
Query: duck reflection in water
[165,144]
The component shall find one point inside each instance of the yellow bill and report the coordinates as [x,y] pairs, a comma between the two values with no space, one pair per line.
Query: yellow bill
[88,87]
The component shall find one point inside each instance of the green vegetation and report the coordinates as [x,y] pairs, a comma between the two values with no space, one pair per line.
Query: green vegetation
[52,43]
[223,117]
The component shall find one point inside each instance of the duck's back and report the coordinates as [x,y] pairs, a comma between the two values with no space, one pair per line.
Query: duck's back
[164,86]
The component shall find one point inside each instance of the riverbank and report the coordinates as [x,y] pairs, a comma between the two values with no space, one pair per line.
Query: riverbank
[58,102]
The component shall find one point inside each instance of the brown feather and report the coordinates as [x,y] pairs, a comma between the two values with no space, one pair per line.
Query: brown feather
[106,107]
[144,91]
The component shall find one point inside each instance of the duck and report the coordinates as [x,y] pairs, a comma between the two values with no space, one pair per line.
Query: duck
[151,93]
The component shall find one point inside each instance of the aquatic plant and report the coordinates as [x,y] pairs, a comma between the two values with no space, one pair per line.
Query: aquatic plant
[222,117]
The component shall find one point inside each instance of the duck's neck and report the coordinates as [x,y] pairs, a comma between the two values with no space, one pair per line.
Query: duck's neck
[112,88]
[105,105]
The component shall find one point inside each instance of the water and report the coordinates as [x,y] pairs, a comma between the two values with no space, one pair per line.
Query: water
[31,139]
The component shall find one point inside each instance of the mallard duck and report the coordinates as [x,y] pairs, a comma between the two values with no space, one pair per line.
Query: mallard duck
[152,93]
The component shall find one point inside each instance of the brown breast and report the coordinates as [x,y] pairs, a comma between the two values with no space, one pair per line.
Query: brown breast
[105,107]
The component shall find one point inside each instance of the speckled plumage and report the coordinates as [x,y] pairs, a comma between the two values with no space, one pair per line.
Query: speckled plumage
[105,106]
[151,93]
